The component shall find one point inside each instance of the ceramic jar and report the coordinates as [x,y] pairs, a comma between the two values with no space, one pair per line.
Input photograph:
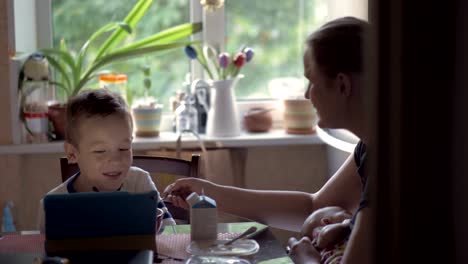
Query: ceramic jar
[299,116]
[258,119]
[147,120]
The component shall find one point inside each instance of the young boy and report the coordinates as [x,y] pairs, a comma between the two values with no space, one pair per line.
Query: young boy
[99,134]
[328,228]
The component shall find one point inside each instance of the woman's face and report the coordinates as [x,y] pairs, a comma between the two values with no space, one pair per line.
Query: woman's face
[321,91]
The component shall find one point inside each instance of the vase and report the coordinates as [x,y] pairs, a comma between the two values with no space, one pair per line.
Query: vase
[223,117]
[147,120]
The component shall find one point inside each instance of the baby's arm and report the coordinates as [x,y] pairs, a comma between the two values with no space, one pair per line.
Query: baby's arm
[333,233]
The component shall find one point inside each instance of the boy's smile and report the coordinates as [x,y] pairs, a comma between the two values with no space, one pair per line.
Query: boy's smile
[104,152]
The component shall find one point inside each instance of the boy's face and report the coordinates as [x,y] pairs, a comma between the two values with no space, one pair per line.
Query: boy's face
[103,151]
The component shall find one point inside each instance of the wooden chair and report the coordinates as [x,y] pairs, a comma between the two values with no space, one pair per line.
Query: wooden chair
[152,164]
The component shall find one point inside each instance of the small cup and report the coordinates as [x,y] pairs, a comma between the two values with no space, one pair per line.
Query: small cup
[159,219]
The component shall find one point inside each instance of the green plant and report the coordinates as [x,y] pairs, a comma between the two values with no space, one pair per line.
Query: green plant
[147,100]
[74,71]
[147,80]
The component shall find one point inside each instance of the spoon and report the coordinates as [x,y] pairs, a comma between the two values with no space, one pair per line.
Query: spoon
[244,234]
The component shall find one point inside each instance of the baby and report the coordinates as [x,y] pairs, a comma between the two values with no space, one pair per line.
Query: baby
[99,134]
[328,228]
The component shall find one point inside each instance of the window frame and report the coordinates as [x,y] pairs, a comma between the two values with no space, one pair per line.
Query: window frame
[43,12]
[213,25]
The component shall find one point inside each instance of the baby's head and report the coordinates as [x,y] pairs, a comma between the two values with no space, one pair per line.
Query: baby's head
[322,217]
[99,137]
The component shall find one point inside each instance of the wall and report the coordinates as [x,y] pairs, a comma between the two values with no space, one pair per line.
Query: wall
[9,164]
[6,47]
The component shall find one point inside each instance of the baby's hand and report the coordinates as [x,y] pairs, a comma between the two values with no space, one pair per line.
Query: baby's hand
[332,234]
[302,251]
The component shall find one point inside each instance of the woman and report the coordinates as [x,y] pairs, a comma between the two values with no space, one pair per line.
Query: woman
[333,65]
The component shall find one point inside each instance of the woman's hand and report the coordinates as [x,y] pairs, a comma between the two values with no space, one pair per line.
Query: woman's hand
[177,192]
[303,251]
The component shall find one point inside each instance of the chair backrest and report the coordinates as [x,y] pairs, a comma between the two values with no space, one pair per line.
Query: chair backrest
[152,164]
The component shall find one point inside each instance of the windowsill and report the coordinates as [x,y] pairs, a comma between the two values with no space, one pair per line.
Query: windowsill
[277,137]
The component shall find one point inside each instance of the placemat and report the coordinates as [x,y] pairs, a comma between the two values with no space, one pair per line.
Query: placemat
[169,245]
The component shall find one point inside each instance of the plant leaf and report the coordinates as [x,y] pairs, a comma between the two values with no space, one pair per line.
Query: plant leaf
[62,47]
[129,54]
[64,56]
[131,20]
[125,55]
[166,36]
[54,63]
[96,34]
[61,85]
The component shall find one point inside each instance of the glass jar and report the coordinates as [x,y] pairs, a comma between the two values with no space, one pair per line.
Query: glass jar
[114,82]
[186,116]
[35,95]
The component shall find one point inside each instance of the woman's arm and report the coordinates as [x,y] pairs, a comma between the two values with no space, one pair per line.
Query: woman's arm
[281,209]
[343,189]
[359,248]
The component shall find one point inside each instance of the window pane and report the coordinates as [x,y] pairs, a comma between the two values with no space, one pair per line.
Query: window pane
[75,21]
[277,31]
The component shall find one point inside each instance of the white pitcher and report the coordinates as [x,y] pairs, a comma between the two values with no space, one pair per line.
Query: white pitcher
[223,117]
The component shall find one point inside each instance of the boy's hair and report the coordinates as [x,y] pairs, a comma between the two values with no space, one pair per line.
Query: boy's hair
[89,104]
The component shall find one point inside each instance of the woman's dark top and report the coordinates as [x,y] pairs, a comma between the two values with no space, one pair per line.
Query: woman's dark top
[360,157]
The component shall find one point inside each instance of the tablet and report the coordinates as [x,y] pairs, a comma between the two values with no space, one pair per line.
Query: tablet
[100,214]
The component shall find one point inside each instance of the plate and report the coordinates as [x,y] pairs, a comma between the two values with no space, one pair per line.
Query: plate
[242,247]
[215,260]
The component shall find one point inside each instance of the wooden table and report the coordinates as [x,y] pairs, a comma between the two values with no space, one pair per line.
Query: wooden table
[270,252]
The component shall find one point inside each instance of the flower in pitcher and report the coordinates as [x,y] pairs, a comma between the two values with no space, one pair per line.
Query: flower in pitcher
[224,60]
[249,53]
[220,67]
[191,52]
[239,60]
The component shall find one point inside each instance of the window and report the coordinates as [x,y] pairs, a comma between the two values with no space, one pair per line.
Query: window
[275,29]
[75,21]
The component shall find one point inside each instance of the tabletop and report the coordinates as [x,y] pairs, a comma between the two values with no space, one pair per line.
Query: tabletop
[171,244]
